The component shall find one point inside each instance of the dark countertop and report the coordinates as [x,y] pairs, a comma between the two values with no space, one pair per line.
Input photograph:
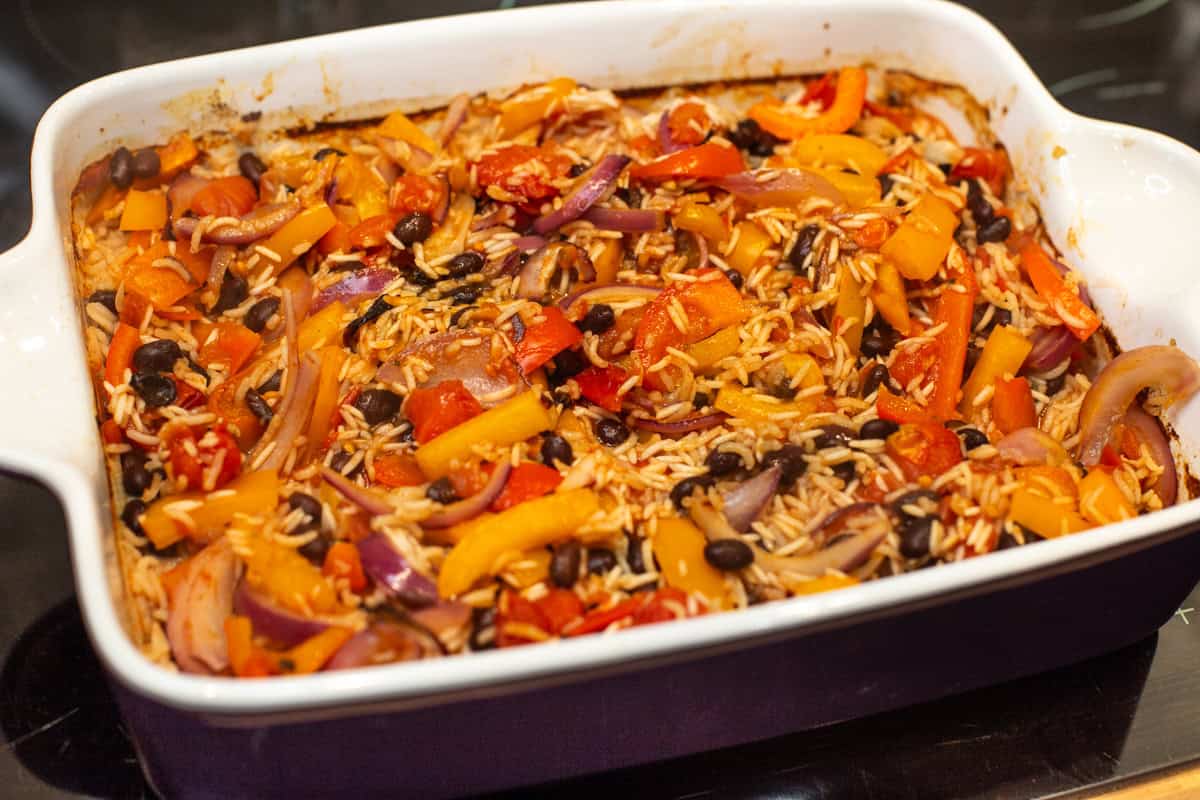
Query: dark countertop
[1105,720]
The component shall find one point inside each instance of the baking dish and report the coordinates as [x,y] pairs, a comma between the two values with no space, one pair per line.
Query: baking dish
[1109,195]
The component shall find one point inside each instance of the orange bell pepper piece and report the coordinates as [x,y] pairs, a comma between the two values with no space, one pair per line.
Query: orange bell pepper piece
[1063,299]
[179,153]
[125,340]
[238,417]
[398,469]
[343,561]
[225,197]
[297,236]
[899,409]
[144,211]
[954,309]
[1012,405]
[529,107]
[233,345]
[919,246]
[108,199]
[847,106]
[709,160]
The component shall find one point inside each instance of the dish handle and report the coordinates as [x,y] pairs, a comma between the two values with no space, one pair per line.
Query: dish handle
[46,400]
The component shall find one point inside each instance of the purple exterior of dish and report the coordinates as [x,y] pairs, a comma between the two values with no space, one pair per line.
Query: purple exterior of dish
[862,667]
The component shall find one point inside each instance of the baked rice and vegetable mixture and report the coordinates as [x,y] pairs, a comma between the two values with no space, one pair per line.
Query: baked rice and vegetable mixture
[567,361]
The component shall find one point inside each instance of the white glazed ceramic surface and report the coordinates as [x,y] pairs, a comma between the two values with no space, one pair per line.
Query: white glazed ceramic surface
[1120,201]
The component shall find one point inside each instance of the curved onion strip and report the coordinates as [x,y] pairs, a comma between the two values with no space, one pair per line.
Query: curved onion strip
[355,286]
[665,142]
[198,606]
[365,499]
[1050,347]
[1030,446]
[744,502]
[700,422]
[608,293]
[293,414]
[442,618]
[278,624]
[484,374]
[783,187]
[222,259]
[595,185]
[456,113]
[258,224]
[383,643]
[528,244]
[701,249]
[1150,433]
[626,220]
[543,265]
[845,512]
[383,562]
[474,505]
[1168,370]
[182,190]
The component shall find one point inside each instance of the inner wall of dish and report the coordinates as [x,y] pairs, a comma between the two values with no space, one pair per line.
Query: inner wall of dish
[1115,201]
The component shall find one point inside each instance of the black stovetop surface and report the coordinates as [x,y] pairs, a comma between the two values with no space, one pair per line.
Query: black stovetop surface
[1105,720]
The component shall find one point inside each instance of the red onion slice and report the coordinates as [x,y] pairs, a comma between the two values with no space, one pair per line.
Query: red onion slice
[552,259]
[1030,446]
[442,618]
[601,179]
[382,643]
[258,224]
[355,286]
[285,628]
[365,499]
[485,374]
[744,502]
[626,220]
[474,505]
[182,190]
[394,574]
[609,293]
[1150,432]
[198,606]
[784,187]
[700,422]
[843,513]
[292,413]
[1167,369]
[222,259]
[1050,347]
[665,142]
[528,244]
[456,113]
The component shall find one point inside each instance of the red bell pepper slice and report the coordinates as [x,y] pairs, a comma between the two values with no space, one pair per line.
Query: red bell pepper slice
[987,163]
[924,448]
[433,410]
[709,160]
[1064,300]
[898,409]
[953,308]
[545,339]
[343,561]
[600,385]
[125,340]
[782,121]
[526,482]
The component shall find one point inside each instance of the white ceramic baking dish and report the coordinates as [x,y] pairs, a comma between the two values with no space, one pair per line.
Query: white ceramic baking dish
[1120,201]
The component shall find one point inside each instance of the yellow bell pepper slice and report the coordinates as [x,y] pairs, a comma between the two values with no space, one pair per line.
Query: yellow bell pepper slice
[288,577]
[608,262]
[838,150]
[746,404]
[704,220]
[708,352]
[888,295]
[1003,353]
[679,548]
[1044,516]
[296,237]
[527,569]
[361,186]
[144,211]
[752,242]
[825,583]
[510,422]
[321,328]
[1101,499]
[251,493]
[919,245]
[397,125]
[534,523]
[851,305]
[528,108]
[859,190]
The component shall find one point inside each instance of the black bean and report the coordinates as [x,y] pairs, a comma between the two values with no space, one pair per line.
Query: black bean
[846,470]
[465,264]
[273,383]
[878,342]
[790,458]
[311,507]
[728,554]
[377,309]
[568,364]
[155,389]
[466,294]
[413,228]
[972,358]
[611,431]
[258,406]
[999,316]
[325,152]
[441,491]
[803,246]
[885,183]
[833,436]
[378,405]
[629,196]
[1007,541]
[924,498]
[995,231]
[130,514]
[877,429]
[977,204]
[196,368]
[700,400]
[914,536]
[686,487]
[483,629]
[735,278]
[157,356]
[972,438]
[251,167]
[120,168]
[876,377]
[598,319]
[234,291]
[316,548]
[722,462]
[954,424]
[600,560]
[1055,385]
[339,461]
[259,314]
[578,169]
[146,163]
[784,389]
[564,564]
[252,116]
[106,298]
[135,478]
[749,136]
[556,449]
[633,553]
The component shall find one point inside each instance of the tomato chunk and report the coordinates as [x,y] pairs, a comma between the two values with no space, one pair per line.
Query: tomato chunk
[436,409]
[924,449]
[527,481]
[225,197]
[523,171]
[600,385]
[546,338]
